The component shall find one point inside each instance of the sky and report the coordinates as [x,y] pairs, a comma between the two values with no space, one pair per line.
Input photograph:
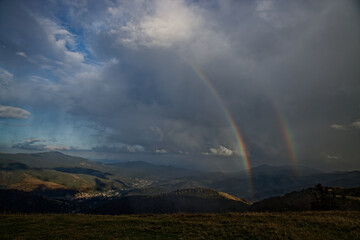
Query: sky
[183,82]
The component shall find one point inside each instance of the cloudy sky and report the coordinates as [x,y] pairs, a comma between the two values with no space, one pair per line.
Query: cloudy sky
[119,80]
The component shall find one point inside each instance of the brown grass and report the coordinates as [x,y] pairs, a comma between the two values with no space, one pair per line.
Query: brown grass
[293,225]
[30,183]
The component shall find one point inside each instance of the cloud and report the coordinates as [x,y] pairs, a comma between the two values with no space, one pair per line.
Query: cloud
[13,112]
[264,7]
[58,148]
[5,78]
[164,24]
[38,144]
[119,148]
[31,144]
[161,151]
[121,69]
[354,125]
[220,151]
[33,140]
[22,54]
[338,127]
[333,157]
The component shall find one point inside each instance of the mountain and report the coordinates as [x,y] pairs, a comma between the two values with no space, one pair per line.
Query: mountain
[314,198]
[59,175]
[287,170]
[56,174]
[186,200]
[197,200]
[266,181]
[44,160]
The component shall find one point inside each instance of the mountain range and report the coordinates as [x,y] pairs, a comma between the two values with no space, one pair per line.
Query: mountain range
[133,187]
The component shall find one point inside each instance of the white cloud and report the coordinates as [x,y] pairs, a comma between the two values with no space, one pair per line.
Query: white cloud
[22,54]
[62,40]
[168,23]
[338,126]
[356,124]
[334,157]
[5,77]
[135,148]
[57,148]
[353,125]
[65,62]
[263,5]
[34,140]
[264,8]
[75,57]
[120,147]
[13,112]
[161,151]
[220,151]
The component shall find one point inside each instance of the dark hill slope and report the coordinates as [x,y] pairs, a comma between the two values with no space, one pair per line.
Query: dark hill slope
[185,200]
[15,201]
[315,198]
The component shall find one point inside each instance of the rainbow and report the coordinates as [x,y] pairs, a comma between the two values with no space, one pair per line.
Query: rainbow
[290,146]
[230,119]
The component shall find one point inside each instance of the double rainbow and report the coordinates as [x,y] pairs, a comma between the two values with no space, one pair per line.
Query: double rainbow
[290,146]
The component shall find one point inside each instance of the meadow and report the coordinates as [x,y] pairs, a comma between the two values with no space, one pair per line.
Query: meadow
[288,225]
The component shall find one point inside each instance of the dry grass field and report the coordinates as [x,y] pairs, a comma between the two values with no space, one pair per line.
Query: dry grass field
[291,225]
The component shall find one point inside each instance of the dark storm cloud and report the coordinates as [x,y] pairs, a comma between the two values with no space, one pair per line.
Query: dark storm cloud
[126,68]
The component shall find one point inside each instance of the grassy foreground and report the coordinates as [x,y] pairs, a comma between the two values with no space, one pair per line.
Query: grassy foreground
[293,225]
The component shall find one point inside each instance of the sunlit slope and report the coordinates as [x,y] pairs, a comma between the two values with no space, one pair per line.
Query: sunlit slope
[54,171]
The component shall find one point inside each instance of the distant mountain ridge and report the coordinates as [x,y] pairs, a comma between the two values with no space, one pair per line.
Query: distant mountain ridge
[266,181]
[47,160]
[61,175]
[50,172]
